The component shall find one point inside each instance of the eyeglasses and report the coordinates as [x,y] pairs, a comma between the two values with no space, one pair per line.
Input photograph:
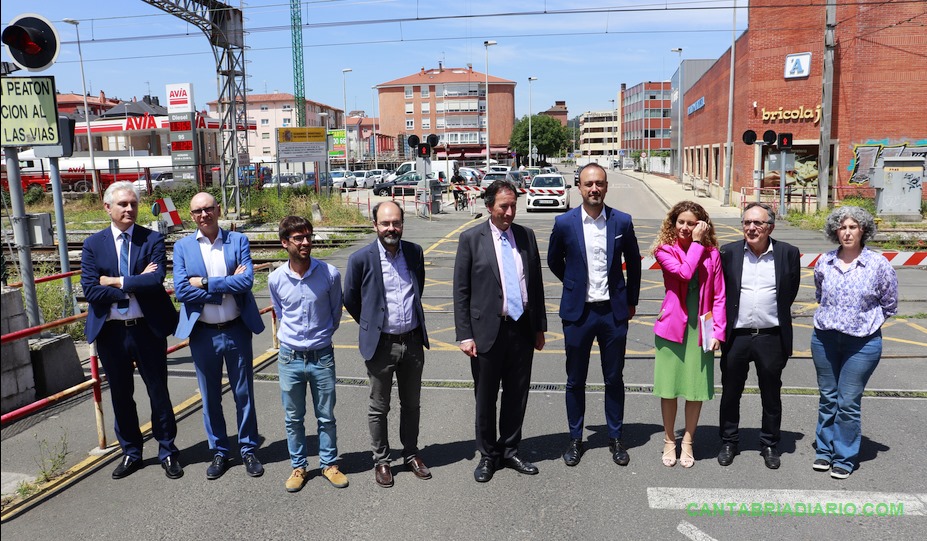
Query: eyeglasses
[204,210]
[754,223]
[396,225]
[297,239]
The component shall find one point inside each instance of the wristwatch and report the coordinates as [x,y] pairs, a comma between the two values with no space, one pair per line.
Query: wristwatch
[204,281]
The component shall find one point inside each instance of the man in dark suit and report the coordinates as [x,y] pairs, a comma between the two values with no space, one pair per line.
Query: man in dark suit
[761,277]
[500,320]
[213,276]
[129,318]
[585,253]
[383,293]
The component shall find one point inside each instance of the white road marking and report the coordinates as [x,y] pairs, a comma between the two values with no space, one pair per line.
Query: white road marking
[719,501]
[693,533]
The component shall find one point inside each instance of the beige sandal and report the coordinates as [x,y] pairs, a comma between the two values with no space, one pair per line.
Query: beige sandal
[686,458]
[669,453]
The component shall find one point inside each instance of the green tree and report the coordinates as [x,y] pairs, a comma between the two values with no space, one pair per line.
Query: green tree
[546,133]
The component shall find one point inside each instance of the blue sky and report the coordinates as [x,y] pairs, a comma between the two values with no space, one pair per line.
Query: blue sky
[579,50]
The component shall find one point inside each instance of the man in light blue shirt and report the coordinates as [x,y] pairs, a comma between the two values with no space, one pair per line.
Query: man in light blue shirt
[306,295]
[383,292]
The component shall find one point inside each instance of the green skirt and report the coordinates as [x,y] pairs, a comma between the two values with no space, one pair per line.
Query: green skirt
[684,370]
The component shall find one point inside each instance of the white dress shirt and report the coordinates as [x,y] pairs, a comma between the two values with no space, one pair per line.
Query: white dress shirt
[594,233]
[519,267]
[758,291]
[135,311]
[214,258]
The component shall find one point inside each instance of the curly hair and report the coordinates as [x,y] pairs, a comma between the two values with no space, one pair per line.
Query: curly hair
[859,215]
[667,234]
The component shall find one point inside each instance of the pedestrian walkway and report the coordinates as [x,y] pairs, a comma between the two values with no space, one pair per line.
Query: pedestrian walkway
[671,192]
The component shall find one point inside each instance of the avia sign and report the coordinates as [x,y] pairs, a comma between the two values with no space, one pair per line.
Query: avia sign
[180,98]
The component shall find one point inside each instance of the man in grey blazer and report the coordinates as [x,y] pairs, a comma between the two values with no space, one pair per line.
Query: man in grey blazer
[383,293]
[500,319]
[761,277]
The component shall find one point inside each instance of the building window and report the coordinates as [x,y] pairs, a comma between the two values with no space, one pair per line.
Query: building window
[408,92]
[287,106]
[286,122]
[265,122]
[440,123]
[265,135]
[265,151]
[425,92]
[264,107]
[426,123]
[410,123]
[426,108]
[410,108]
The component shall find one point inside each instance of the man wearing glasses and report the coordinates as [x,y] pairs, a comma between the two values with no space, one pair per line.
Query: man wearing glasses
[306,295]
[213,276]
[383,293]
[761,278]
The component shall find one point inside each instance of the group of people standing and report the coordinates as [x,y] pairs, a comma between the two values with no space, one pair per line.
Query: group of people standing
[736,299]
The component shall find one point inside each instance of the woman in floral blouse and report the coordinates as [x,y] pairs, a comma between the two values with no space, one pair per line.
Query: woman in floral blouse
[857,290]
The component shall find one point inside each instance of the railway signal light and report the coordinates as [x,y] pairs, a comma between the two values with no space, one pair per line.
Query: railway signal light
[32,42]
[785,141]
[424,150]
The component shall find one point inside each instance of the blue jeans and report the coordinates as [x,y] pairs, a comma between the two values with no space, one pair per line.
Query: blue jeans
[844,364]
[317,369]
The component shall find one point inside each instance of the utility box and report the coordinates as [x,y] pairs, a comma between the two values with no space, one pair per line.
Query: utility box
[40,230]
[899,188]
[437,195]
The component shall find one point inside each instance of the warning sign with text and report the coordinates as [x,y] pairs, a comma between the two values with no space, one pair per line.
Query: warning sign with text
[28,111]
[300,145]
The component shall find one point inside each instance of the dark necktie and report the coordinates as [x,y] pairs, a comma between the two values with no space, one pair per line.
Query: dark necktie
[512,283]
[123,305]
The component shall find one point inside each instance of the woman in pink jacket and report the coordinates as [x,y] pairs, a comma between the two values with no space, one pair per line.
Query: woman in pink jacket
[687,251]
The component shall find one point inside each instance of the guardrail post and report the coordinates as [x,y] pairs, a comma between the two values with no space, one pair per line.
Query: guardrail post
[97,397]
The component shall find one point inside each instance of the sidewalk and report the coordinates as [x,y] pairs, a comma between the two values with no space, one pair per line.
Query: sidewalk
[671,192]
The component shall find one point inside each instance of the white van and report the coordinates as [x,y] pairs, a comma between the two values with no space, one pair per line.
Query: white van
[437,166]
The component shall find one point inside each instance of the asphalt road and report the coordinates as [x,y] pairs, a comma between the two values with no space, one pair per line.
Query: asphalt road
[595,500]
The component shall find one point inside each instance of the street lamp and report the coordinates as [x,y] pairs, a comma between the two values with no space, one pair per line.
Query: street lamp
[83,83]
[344,97]
[530,145]
[328,156]
[376,104]
[611,128]
[487,44]
[679,113]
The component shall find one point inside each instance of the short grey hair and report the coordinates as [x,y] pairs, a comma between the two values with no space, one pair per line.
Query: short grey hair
[859,215]
[121,186]
[765,206]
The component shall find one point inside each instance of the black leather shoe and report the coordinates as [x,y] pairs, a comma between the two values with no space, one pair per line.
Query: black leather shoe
[574,453]
[619,453]
[217,468]
[727,453]
[252,465]
[172,467]
[521,466]
[127,466]
[771,457]
[484,470]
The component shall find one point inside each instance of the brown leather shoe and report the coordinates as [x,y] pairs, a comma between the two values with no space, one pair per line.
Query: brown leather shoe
[418,468]
[383,475]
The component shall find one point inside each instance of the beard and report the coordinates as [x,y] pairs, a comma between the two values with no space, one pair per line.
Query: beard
[390,239]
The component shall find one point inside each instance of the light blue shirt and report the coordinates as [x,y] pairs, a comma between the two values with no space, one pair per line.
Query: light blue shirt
[855,301]
[397,281]
[308,307]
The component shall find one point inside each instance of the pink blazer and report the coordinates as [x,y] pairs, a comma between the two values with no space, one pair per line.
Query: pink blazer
[678,268]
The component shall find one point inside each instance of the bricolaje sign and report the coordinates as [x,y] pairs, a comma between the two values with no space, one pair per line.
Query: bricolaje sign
[28,111]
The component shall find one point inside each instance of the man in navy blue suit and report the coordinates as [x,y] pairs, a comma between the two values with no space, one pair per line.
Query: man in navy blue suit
[383,293]
[213,275]
[129,318]
[585,253]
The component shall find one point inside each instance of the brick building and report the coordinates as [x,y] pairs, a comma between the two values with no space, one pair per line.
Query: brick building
[450,103]
[645,115]
[558,111]
[879,97]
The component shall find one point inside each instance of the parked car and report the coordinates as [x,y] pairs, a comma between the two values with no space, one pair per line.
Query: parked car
[162,180]
[538,200]
[533,171]
[500,168]
[472,175]
[284,180]
[377,175]
[522,178]
[576,175]
[404,185]
[342,180]
[491,177]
